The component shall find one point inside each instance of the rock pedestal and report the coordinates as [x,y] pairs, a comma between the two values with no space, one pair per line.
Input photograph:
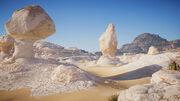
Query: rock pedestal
[108,47]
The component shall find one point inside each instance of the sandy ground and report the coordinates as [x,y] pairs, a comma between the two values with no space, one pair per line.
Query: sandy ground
[97,93]
[103,71]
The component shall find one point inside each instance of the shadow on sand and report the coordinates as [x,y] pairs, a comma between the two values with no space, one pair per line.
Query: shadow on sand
[146,71]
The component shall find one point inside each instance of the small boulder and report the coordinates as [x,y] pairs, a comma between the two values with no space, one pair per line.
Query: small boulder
[153,50]
[67,74]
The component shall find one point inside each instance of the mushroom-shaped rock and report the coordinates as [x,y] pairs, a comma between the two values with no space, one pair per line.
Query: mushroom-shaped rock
[108,41]
[6,45]
[28,25]
[108,47]
[153,50]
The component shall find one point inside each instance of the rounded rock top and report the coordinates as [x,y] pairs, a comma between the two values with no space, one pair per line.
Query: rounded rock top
[30,22]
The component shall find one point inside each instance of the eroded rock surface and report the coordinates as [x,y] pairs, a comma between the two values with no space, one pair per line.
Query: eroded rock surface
[108,47]
[6,45]
[108,41]
[164,86]
[28,25]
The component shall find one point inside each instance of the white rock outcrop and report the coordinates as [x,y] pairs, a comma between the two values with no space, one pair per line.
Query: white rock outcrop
[164,86]
[6,45]
[168,76]
[108,41]
[153,50]
[28,25]
[108,47]
[108,61]
[67,74]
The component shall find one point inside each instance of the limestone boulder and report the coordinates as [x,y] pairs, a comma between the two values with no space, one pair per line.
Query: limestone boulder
[165,86]
[151,92]
[67,74]
[168,76]
[153,50]
[108,41]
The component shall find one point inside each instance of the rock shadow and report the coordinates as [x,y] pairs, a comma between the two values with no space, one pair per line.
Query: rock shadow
[146,71]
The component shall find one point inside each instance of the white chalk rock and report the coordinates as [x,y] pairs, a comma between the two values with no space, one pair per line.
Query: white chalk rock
[108,41]
[108,47]
[28,25]
[165,86]
[6,44]
[108,61]
[153,50]
[67,74]
[30,22]
[168,76]
[151,92]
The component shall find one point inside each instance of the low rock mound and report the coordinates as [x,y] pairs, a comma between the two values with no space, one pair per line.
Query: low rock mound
[46,50]
[108,61]
[44,77]
[161,89]
[67,74]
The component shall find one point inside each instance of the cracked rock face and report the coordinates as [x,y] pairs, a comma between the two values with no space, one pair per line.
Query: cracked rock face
[108,41]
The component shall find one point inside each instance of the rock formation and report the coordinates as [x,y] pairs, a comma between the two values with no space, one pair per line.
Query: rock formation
[28,25]
[108,41]
[142,43]
[153,50]
[108,47]
[6,45]
[165,86]
[168,76]
[67,74]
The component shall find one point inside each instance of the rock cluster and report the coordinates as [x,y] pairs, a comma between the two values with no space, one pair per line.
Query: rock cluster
[165,86]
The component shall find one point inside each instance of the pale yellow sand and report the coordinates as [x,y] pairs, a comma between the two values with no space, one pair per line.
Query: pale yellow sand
[97,93]
[103,71]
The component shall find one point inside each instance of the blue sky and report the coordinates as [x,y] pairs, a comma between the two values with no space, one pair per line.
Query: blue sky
[80,23]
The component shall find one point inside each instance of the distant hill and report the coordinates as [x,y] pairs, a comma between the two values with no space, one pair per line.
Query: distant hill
[142,43]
